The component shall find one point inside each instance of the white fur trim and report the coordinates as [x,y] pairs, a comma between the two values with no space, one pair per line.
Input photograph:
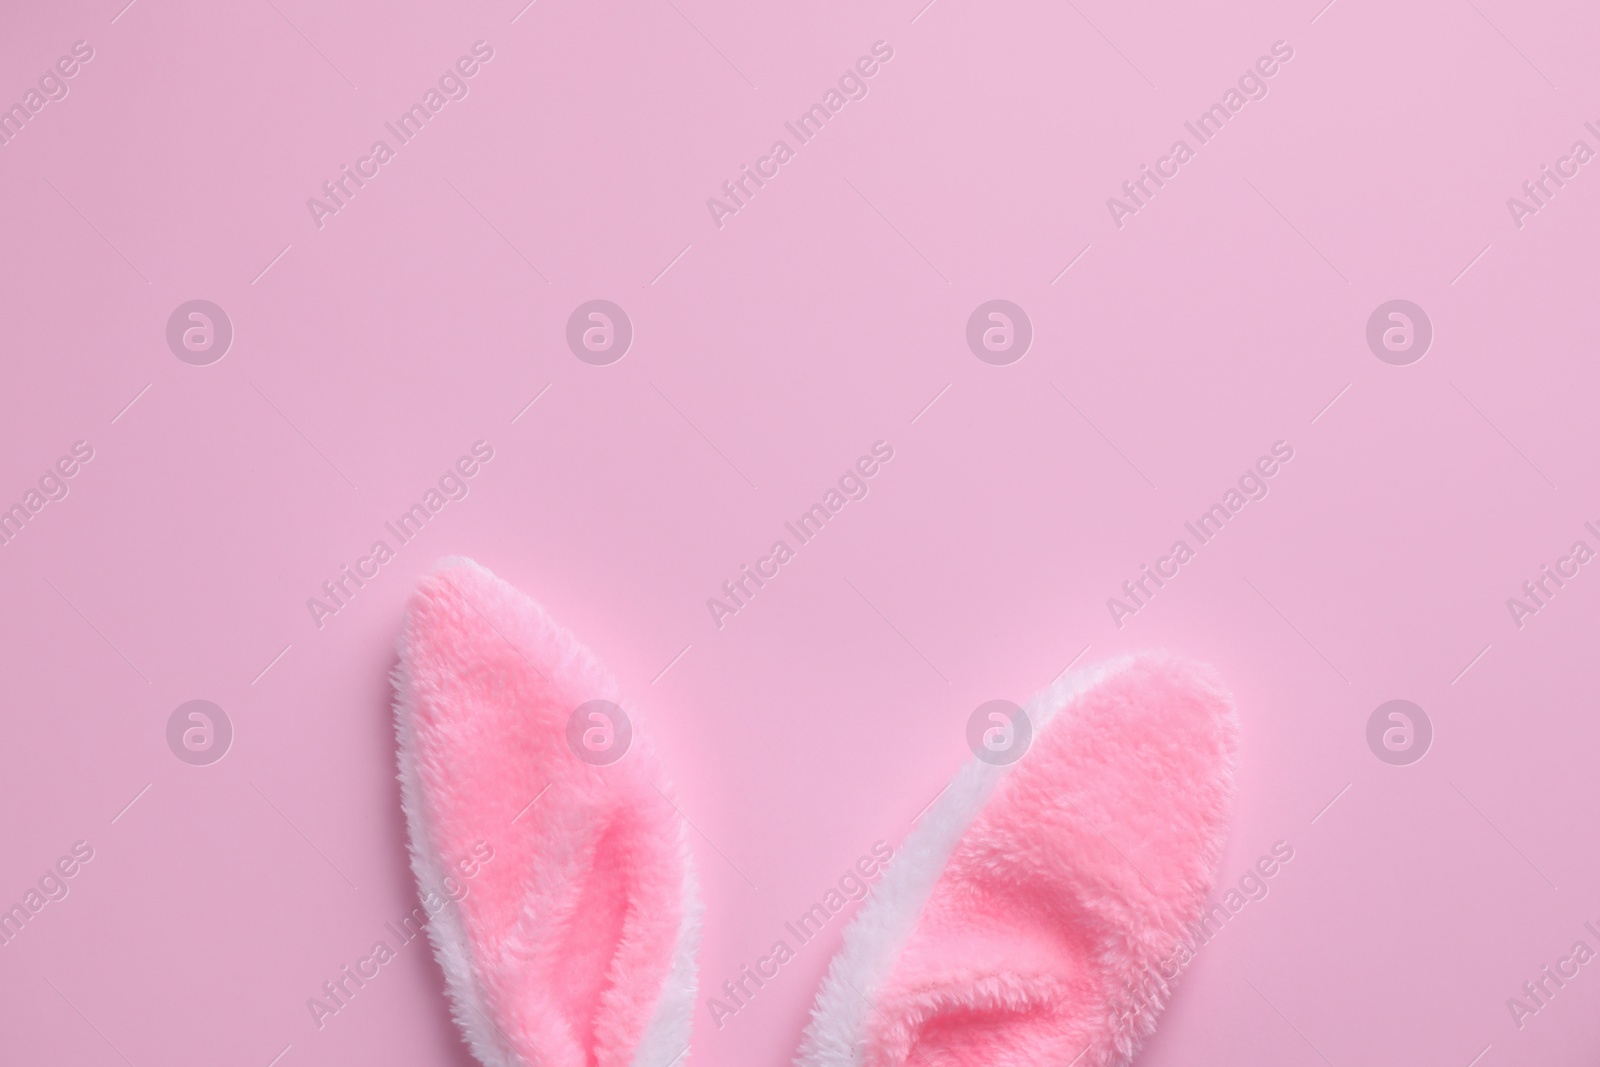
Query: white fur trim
[450,945]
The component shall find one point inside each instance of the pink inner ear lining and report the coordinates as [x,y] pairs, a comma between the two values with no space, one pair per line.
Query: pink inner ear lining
[639,857]
[589,941]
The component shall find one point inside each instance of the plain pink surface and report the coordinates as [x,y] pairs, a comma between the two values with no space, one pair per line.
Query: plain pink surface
[824,316]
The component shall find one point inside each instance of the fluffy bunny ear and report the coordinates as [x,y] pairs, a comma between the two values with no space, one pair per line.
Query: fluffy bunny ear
[1039,912]
[563,904]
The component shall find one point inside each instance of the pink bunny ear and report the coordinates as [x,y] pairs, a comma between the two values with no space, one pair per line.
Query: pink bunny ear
[563,904]
[1039,912]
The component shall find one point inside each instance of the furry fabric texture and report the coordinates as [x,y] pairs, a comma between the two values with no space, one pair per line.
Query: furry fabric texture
[1032,915]
[574,945]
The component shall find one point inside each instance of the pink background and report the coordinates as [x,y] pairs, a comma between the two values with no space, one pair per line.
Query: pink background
[825,316]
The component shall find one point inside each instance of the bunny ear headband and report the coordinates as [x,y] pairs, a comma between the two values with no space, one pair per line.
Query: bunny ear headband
[1030,919]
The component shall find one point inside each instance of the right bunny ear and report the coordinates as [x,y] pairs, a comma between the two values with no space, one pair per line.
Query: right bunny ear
[1039,913]
[555,870]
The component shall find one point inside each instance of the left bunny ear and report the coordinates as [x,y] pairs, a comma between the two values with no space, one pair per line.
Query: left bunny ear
[554,868]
